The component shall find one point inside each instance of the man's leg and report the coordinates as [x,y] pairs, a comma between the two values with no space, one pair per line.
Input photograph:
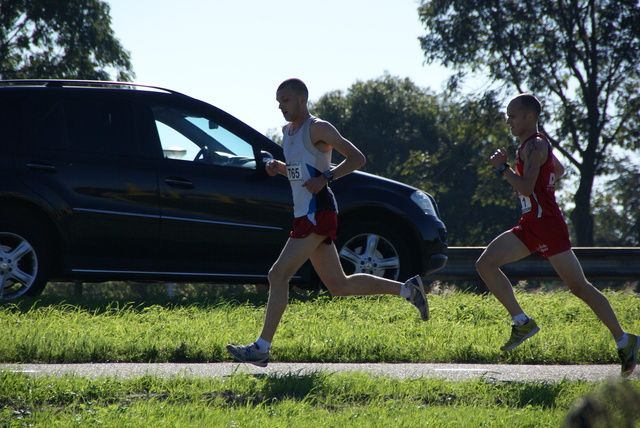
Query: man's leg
[327,265]
[568,268]
[294,254]
[292,257]
[326,262]
[504,249]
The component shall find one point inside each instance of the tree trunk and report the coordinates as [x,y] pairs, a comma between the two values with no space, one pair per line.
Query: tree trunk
[581,216]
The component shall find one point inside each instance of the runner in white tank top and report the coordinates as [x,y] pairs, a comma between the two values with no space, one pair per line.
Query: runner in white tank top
[308,143]
[304,161]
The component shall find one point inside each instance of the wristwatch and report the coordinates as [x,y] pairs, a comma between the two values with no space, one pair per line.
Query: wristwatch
[502,167]
[328,175]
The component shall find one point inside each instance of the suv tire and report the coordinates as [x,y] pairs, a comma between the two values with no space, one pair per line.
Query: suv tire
[24,257]
[361,247]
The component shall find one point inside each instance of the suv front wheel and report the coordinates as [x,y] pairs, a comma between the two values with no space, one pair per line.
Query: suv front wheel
[24,260]
[375,249]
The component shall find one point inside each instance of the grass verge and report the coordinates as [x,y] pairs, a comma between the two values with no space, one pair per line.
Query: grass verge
[465,328]
[320,399]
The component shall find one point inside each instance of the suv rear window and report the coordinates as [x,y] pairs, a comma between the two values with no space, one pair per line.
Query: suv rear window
[34,122]
[100,125]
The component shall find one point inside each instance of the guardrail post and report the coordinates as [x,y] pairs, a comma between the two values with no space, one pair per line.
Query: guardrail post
[78,289]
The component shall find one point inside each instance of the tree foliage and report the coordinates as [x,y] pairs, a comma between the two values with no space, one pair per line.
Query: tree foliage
[60,39]
[388,117]
[440,144]
[477,203]
[581,57]
[617,210]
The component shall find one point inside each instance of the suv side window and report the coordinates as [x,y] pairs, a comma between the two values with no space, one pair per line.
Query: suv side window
[101,125]
[190,136]
[36,122]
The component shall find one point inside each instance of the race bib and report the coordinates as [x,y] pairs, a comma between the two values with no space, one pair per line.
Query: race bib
[525,203]
[294,171]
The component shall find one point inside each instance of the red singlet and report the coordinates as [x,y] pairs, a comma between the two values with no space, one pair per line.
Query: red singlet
[542,227]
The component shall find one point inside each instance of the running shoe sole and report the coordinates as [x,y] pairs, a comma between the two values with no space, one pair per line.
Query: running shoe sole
[522,339]
[240,354]
[634,359]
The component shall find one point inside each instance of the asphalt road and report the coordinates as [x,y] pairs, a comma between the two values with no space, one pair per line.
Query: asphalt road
[452,372]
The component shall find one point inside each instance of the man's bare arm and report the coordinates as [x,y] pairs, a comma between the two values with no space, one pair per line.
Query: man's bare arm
[533,156]
[326,137]
[559,168]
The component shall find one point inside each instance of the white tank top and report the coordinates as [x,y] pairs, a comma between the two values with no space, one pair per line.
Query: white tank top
[303,162]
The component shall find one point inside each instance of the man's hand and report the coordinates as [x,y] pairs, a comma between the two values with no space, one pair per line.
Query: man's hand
[315,184]
[499,157]
[275,167]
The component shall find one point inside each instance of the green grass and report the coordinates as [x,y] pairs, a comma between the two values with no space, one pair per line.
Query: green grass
[465,328]
[320,399]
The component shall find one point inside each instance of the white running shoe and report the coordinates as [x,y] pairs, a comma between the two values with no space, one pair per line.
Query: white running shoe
[417,297]
[249,354]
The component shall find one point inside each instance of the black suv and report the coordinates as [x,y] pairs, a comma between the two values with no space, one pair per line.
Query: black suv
[104,181]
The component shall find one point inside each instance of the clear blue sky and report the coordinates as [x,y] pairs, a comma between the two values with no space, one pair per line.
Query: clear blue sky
[234,53]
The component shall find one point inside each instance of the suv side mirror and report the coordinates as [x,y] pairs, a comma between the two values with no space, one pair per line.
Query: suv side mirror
[261,173]
[265,157]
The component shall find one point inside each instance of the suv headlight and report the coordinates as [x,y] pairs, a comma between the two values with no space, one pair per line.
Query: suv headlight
[422,200]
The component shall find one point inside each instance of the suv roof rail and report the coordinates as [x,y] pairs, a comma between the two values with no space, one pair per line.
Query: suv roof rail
[59,83]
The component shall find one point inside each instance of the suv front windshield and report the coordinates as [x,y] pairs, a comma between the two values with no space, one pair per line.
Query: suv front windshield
[189,136]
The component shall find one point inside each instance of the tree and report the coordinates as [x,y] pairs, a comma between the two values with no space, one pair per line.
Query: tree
[440,144]
[60,39]
[476,203]
[388,117]
[617,210]
[581,57]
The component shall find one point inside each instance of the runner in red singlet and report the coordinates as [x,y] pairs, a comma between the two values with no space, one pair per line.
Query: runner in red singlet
[541,229]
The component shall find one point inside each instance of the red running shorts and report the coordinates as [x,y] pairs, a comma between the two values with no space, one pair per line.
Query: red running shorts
[547,236]
[323,223]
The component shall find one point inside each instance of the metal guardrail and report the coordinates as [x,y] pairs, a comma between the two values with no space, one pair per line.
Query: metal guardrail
[598,263]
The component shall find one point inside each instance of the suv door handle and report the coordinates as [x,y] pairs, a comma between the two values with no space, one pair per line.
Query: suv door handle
[179,182]
[37,166]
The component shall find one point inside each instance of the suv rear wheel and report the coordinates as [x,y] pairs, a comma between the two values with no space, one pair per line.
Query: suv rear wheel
[24,259]
[373,248]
